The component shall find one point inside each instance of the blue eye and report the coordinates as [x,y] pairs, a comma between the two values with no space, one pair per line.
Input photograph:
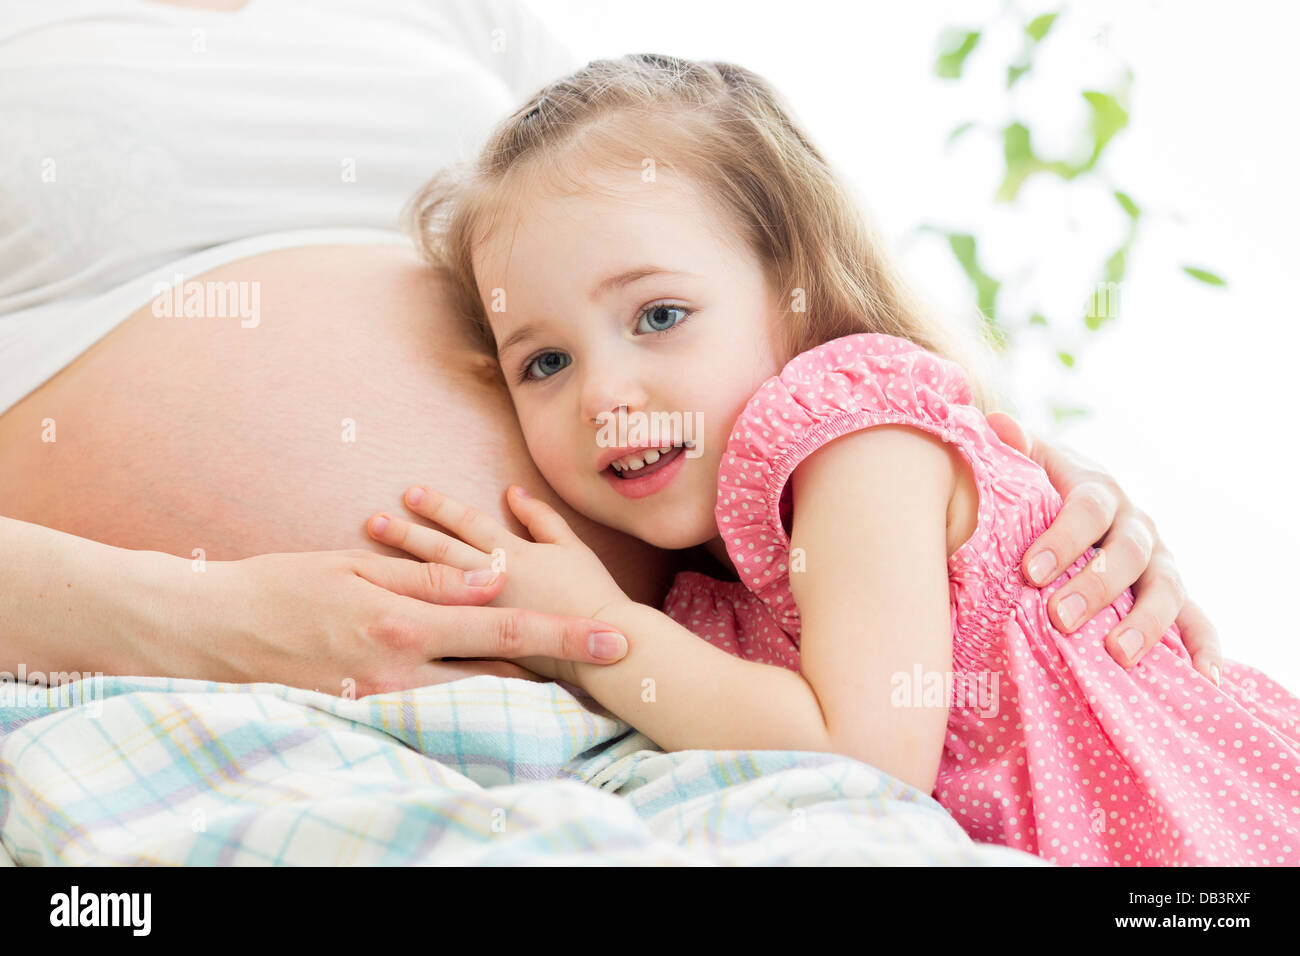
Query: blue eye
[659,313]
[542,360]
[546,361]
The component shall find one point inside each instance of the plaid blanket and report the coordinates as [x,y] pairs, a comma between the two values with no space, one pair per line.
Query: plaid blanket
[125,771]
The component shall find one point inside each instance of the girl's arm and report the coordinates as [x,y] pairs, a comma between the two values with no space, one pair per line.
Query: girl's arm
[871,517]
[685,694]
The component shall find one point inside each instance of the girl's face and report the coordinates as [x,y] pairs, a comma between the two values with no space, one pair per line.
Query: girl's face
[583,325]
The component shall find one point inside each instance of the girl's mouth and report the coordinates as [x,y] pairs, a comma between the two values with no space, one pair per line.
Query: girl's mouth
[649,479]
[628,474]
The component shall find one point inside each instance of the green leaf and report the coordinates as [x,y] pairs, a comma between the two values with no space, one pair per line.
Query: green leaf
[1039,26]
[952,60]
[1015,144]
[1015,72]
[1103,304]
[958,132]
[1066,359]
[1108,118]
[1207,277]
[1094,318]
[986,287]
[1038,319]
[1062,413]
[1022,162]
[1130,207]
[1117,264]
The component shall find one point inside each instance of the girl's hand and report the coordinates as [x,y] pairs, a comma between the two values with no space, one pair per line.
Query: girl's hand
[555,573]
[1132,554]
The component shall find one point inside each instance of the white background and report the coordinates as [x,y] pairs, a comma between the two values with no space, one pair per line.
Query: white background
[1192,387]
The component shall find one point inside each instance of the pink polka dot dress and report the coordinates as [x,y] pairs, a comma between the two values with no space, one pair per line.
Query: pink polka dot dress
[1052,747]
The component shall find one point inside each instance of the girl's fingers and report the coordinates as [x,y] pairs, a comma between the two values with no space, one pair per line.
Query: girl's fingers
[543,522]
[427,544]
[433,583]
[471,526]
[1121,561]
[442,621]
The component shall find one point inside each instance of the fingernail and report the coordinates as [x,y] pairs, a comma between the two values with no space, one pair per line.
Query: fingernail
[481,578]
[520,492]
[1130,642]
[1215,669]
[379,525]
[1041,566]
[607,645]
[1071,610]
[415,495]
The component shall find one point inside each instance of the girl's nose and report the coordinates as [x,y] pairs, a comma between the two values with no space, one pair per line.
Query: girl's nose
[596,419]
[599,404]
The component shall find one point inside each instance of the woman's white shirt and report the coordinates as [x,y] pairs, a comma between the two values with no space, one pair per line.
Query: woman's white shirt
[140,134]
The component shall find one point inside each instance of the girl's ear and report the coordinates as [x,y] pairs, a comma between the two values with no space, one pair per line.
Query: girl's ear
[482,367]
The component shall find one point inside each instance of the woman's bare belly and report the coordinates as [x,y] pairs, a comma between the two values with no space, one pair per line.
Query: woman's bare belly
[174,434]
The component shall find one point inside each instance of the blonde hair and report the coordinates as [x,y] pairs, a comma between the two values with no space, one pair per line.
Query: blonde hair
[732,134]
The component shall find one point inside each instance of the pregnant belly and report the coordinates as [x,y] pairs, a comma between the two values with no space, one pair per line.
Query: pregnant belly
[175,434]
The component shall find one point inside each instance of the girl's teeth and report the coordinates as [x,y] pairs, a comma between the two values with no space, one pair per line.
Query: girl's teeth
[639,462]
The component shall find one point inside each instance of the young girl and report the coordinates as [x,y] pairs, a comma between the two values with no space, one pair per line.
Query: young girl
[705,347]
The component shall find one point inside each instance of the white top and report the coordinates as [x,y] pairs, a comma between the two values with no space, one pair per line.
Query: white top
[139,134]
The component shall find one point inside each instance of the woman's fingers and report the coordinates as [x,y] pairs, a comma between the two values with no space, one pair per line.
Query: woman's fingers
[1090,500]
[471,526]
[1201,640]
[1125,556]
[507,632]
[433,672]
[1011,433]
[427,544]
[543,522]
[1131,556]
[441,621]
[440,672]
[1086,514]
[1157,599]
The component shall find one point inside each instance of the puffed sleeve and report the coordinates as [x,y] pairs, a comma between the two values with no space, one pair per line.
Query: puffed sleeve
[841,386]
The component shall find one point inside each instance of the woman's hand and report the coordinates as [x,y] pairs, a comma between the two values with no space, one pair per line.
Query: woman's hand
[1096,509]
[554,573]
[354,623]
[349,623]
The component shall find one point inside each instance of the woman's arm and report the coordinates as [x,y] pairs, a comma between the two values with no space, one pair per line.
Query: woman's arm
[349,623]
[1096,509]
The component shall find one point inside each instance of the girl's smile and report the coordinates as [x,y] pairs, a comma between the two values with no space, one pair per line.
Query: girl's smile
[655,475]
